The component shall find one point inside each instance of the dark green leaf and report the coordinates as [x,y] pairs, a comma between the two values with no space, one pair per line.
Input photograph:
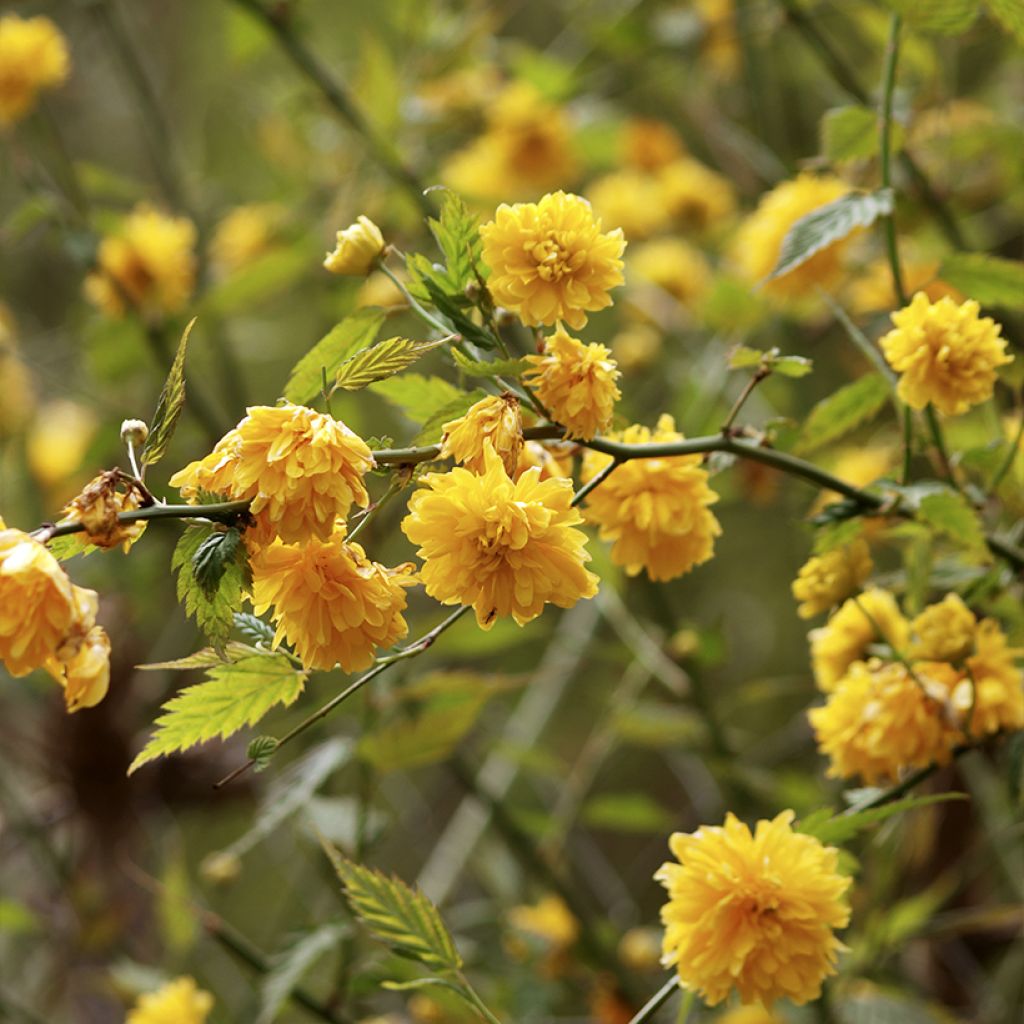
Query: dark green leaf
[382,360]
[840,828]
[70,545]
[214,611]
[168,406]
[849,407]
[260,751]
[214,556]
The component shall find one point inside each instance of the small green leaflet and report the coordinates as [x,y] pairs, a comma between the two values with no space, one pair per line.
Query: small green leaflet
[353,333]
[417,397]
[627,812]
[384,359]
[852,132]
[743,357]
[168,406]
[492,368]
[71,544]
[843,410]
[457,233]
[254,629]
[215,555]
[990,280]
[830,223]
[832,828]
[945,17]
[1010,14]
[260,751]
[205,658]
[233,696]
[948,512]
[401,917]
[213,610]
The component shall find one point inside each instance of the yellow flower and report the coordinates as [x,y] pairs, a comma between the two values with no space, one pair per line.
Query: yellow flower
[696,197]
[359,247]
[33,57]
[302,470]
[243,235]
[752,912]
[97,508]
[990,696]
[943,631]
[880,720]
[576,384]
[495,419]
[750,1014]
[871,617]
[85,674]
[552,459]
[505,548]
[178,1002]
[636,346]
[944,353]
[674,266]
[58,439]
[654,511]
[873,291]
[330,601]
[721,42]
[825,580]
[549,261]
[15,381]
[631,200]
[758,243]
[549,919]
[149,265]
[649,145]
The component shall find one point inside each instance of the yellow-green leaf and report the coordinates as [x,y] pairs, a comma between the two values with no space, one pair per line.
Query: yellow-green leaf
[417,396]
[851,132]
[490,368]
[353,333]
[948,512]
[946,17]
[168,406]
[990,280]
[382,360]
[842,411]
[1010,14]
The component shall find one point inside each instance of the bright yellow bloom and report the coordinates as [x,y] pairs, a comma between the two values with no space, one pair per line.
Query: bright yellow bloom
[649,145]
[758,243]
[750,1014]
[149,265]
[58,439]
[331,603]
[944,353]
[696,197]
[880,720]
[505,548]
[85,674]
[674,266]
[873,291]
[869,618]
[631,200]
[495,420]
[753,912]
[33,57]
[549,919]
[358,248]
[302,469]
[549,261]
[825,580]
[178,1002]
[552,459]
[576,384]
[243,235]
[654,511]
[97,508]
[943,631]
[990,695]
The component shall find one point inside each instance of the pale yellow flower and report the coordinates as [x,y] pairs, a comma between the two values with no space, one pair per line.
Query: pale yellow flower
[548,919]
[302,470]
[943,631]
[358,249]
[505,548]
[753,912]
[655,512]
[720,45]
[873,291]
[631,200]
[178,1002]
[33,57]
[495,420]
[696,197]
[576,384]
[636,346]
[58,439]
[550,261]
[944,353]
[649,145]
[825,580]
[243,235]
[675,266]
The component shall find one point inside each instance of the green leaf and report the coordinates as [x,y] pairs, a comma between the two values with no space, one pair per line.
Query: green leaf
[840,828]
[254,629]
[828,224]
[842,411]
[401,917]
[353,333]
[794,367]
[458,236]
[742,357]
[989,280]
[852,132]
[213,610]
[260,751]
[490,368]
[168,406]
[288,967]
[837,534]
[384,359]
[627,812]
[946,17]
[215,556]
[430,284]
[70,545]
[1010,14]
[948,512]
[418,397]
[232,697]
[206,658]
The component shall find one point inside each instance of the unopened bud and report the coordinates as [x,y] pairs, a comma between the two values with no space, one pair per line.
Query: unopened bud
[134,432]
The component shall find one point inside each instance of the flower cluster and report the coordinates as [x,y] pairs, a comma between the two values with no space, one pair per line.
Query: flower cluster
[33,57]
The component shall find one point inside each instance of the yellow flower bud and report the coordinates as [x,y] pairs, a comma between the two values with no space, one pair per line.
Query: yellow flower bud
[359,247]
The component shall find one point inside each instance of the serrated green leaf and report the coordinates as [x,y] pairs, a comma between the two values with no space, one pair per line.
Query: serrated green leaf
[214,557]
[946,17]
[431,285]
[793,367]
[831,829]
[289,965]
[842,411]
[457,233]
[384,359]
[431,430]
[260,751]
[948,512]
[834,535]
[418,397]
[989,280]
[232,697]
[254,629]
[851,132]
[829,224]
[1009,14]
[352,334]
[70,545]
[213,612]
[168,406]
[491,368]
[743,357]
[401,917]
[206,658]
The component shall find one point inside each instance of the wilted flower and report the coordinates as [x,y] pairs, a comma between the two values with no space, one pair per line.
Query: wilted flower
[178,1002]
[825,580]
[944,353]
[755,913]
[33,57]
[495,420]
[97,508]
[85,674]
[358,250]
[654,511]
[505,548]
[550,261]
[576,384]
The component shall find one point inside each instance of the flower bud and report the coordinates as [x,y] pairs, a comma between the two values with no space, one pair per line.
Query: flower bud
[134,432]
[359,246]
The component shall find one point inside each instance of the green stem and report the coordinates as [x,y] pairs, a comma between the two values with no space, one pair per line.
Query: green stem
[935,428]
[228,512]
[475,1001]
[1011,455]
[659,999]
[595,481]
[421,311]
[394,487]
[760,374]
[885,148]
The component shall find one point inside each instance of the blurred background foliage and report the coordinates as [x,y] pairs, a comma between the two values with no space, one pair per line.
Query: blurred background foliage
[578,742]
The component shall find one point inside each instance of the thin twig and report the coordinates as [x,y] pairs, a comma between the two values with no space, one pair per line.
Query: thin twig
[658,1000]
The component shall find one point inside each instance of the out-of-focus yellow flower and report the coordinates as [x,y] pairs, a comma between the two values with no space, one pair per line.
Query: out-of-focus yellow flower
[755,913]
[576,384]
[649,145]
[640,949]
[330,602]
[750,1014]
[549,919]
[630,200]
[379,290]
[58,439]
[721,43]
[636,346]
[84,674]
[465,88]
[944,353]
[526,149]
[550,260]
[990,696]
[825,580]
[242,235]
[505,548]
[495,420]
[97,508]
[178,1002]
[880,719]
[654,511]
[33,56]
[943,631]
[302,470]
[148,265]
[674,266]
[758,243]
[868,618]
[553,460]
[16,386]
[358,250]
[873,291]
[696,197]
